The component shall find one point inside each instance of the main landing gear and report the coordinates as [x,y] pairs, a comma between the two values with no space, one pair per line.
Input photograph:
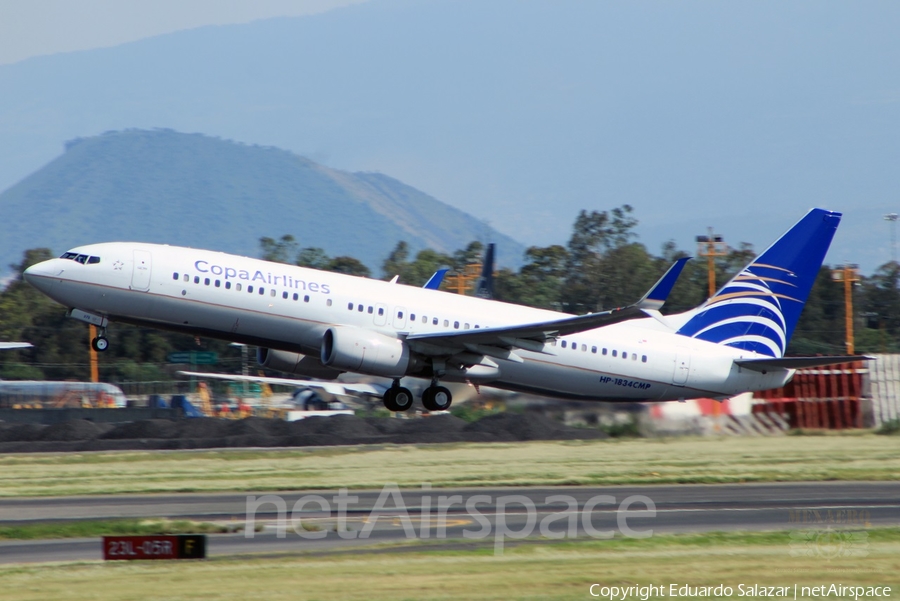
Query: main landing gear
[100,343]
[434,398]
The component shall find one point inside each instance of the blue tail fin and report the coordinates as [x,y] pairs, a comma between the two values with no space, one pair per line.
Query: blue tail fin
[759,308]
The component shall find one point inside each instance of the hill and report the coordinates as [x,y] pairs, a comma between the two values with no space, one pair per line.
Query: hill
[194,190]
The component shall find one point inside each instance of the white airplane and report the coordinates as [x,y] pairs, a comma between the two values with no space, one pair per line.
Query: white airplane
[319,324]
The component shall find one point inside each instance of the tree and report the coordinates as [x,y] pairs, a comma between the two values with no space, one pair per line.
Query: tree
[349,266]
[279,251]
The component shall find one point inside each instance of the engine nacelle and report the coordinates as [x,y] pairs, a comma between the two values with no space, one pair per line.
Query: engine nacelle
[364,351]
[295,363]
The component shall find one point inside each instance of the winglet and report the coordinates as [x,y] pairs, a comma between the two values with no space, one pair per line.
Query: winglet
[434,282]
[656,297]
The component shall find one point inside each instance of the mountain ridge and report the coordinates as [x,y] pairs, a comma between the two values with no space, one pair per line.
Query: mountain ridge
[195,190]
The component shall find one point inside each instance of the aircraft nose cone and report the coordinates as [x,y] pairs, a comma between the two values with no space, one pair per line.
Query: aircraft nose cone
[40,275]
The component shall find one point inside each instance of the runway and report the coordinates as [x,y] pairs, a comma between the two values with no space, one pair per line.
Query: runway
[317,522]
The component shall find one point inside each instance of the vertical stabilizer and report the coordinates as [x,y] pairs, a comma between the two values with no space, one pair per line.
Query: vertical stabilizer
[759,308]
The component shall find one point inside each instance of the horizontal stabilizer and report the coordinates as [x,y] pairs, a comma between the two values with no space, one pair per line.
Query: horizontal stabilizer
[797,362]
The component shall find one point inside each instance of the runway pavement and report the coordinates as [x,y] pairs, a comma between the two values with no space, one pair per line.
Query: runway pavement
[330,521]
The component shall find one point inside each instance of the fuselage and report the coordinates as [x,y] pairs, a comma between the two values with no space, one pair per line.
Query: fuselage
[289,308]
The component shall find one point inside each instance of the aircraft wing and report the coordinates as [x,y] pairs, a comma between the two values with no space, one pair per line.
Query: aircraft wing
[498,342]
[531,336]
[797,362]
[338,388]
[13,345]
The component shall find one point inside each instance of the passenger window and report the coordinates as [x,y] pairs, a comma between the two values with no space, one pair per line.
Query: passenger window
[187,278]
[327,303]
[424,319]
[604,351]
[262,290]
[412,316]
[273,293]
[349,306]
[174,276]
[380,311]
[237,287]
[371,310]
[615,353]
[583,348]
[625,354]
[563,344]
[455,325]
[434,321]
[206,282]
[643,358]
[634,356]
[196,279]
[477,326]
[250,289]
[306,300]
[574,346]
[594,349]
[446,323]
[399,314]
[218,284]
[296,296]
[465,326]
[227,285]
[359,308]
[284,295]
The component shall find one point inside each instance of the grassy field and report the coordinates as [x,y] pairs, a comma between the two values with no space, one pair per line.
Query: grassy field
[641,461]
[532,572]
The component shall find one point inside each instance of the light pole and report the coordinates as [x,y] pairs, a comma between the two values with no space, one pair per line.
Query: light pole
[892,217]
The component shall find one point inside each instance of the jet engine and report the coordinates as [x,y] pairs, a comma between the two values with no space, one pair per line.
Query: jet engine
[295,363]
[364,351]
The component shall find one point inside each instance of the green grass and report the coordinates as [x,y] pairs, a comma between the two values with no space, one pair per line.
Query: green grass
[621,461]
[96,528]
[551,571]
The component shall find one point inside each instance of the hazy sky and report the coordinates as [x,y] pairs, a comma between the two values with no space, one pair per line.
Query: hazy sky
[37,27]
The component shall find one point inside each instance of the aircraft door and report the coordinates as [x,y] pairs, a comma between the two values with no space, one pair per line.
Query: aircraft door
[140,277]
[380,315]
[399,317]
[682,367]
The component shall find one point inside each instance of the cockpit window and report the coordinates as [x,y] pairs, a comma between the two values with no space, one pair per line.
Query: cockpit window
[83,259]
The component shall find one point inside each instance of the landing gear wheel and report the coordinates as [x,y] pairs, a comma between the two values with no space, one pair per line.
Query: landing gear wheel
[99,344]
[398,398]
[436,398]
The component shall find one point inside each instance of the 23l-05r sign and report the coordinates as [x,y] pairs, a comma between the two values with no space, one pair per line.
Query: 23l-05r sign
[184,546]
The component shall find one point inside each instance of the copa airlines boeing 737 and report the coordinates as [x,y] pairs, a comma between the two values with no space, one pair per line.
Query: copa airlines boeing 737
[320,324]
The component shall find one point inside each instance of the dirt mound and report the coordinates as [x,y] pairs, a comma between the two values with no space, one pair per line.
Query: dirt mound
[143,429]
[347,429]
[74,429]
[202,427]
[258,426]
[522,426]
[21,432]
[435,424]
